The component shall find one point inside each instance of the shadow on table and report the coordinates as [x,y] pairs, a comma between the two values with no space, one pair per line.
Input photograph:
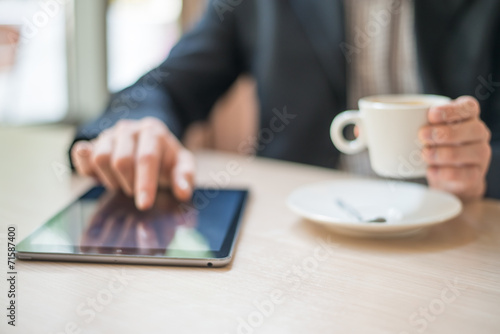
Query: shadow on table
[458,232]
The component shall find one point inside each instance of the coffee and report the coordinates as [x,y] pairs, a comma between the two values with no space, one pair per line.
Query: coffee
[408,103]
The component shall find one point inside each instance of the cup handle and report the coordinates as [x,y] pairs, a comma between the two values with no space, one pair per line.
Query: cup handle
[337,132]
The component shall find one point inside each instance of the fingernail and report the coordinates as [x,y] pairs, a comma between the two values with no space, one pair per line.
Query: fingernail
[432,171]
[141,199]
[441,114]
[434,111]
[431,154]
[82,150]
[436,135]
[183,183]
[425,135]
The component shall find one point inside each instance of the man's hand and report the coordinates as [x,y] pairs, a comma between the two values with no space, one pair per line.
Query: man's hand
[137,156]
[457,148]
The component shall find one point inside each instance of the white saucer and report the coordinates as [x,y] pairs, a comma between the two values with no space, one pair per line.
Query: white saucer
[407,207]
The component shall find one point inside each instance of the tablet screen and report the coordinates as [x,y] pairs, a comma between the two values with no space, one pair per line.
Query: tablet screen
[101,222]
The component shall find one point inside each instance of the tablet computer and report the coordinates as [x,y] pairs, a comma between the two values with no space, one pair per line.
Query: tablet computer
[107,227]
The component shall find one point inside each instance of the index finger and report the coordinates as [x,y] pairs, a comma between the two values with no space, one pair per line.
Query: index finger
[459,110]
[148,158]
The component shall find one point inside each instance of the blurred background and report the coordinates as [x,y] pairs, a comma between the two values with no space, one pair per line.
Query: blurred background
[60,60]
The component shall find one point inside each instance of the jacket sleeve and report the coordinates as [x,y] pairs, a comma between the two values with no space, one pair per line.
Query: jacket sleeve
[493,122]
[490,93]
[183,89]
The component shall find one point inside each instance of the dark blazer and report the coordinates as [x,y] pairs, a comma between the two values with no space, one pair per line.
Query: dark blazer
[296,51]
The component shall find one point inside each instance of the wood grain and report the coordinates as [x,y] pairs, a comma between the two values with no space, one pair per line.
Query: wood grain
[288,275]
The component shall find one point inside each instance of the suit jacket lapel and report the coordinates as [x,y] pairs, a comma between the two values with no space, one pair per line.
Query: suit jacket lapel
[323,22]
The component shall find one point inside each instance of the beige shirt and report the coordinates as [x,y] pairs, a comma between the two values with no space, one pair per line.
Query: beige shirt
[381,58]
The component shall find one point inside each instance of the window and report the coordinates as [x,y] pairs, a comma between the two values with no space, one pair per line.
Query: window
[140,35]
[59,59]
[33,83]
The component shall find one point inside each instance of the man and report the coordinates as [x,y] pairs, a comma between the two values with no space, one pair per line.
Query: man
[311,59]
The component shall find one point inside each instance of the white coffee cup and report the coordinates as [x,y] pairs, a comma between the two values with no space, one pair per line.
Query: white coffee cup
[388,127]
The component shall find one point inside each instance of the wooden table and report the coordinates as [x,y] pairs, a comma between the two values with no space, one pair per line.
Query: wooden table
[288,275]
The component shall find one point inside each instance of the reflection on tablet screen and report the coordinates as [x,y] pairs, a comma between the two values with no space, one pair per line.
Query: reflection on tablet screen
[109,223]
